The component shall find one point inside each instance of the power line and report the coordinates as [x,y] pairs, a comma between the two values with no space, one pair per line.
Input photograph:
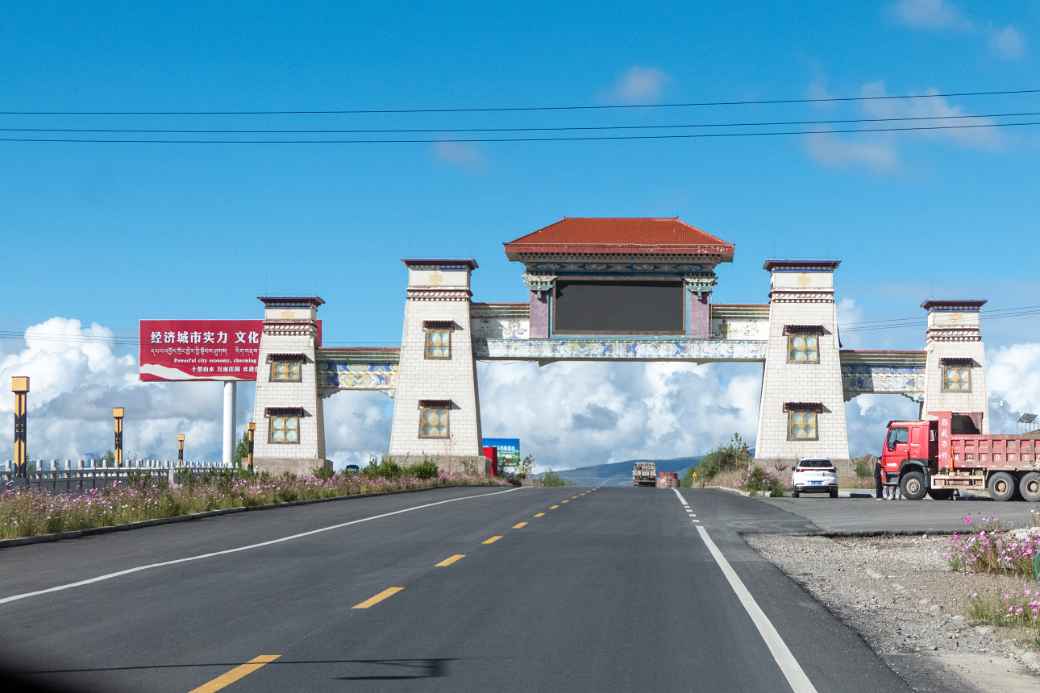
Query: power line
[520,109]
[597,138]
[570,128]
[866,326]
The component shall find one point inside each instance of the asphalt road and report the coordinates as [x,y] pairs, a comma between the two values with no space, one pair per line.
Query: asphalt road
[872,515]
[614,589]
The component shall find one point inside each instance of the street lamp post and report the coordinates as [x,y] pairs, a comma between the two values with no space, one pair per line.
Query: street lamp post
[117,422]
[180,449]
[20,388]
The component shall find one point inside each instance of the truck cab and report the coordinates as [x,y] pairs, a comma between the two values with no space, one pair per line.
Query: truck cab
[906,452]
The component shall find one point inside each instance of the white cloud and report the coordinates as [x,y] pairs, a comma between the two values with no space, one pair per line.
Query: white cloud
[638,85]
[357,427]
[937,106]
[936,15]
[76,378]
[566,414]
[1007,43]
[578,414]
[877,154]
[880,152]
[466,155]
[1013,376]
[849,314]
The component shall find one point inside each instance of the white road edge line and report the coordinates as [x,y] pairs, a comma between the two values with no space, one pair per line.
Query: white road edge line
[789,666]
[238,549]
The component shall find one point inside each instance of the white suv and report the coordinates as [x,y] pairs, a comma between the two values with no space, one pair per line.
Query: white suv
[814,476]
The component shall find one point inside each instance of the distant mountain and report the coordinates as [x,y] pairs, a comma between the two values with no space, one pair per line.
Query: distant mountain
[620,473]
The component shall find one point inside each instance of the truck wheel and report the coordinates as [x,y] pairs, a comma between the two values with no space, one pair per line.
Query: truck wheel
[1001,486]
[941,493]
[912,485]
[1029,486]
[834,493]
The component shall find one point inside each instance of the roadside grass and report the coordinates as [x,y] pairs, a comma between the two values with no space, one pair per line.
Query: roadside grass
[1019,611]
[990,549]
[26,513]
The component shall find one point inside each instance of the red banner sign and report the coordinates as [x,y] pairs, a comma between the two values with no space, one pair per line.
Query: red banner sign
[199,349]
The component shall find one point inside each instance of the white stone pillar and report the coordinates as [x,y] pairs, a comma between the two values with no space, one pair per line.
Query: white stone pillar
[955,366]
[802,304]
[290,336]
[438,299]
[229,422]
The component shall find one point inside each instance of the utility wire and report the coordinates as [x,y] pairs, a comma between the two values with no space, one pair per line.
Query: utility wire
[871,326]
[516,109]
[697,135]
[654,126]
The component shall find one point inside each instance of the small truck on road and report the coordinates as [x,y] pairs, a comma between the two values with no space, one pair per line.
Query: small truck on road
[947,453]
[644,474]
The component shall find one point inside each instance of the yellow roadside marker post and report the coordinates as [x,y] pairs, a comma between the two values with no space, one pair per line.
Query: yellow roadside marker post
[117,422]
[20,388]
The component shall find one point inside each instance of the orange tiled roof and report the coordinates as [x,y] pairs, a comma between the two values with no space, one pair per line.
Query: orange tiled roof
[620,236]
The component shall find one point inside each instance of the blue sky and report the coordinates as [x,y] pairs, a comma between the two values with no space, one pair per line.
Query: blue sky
[111,233]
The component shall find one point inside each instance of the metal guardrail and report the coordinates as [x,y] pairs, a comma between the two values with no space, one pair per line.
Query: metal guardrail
[69,477]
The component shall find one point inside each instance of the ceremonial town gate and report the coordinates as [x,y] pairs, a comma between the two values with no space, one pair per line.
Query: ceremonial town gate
[605,290]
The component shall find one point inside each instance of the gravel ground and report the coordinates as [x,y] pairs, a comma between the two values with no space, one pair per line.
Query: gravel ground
[899,594]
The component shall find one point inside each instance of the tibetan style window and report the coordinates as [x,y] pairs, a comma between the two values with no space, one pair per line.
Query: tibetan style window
[956,375]
[283,425]
[803,343]
[802,420]
[286,368]
[438,339]
[433,418]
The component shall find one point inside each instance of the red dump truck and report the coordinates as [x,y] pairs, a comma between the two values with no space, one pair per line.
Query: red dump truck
[948,453]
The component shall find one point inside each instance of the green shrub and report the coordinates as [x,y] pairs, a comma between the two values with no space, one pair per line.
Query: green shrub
[424,470]
[733,455]
[551,478]
[385,469]
[324,472]
[864,466]
[761,481]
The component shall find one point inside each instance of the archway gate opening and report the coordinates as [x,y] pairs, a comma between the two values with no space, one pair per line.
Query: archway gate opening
[632,289]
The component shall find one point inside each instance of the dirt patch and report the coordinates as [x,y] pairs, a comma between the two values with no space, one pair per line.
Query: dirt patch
[901,596]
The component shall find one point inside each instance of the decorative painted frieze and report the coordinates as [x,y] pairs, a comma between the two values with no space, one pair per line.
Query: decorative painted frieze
[862,379]
[734,328]
[417,294]
[614,267]
[346,375]
[556,349]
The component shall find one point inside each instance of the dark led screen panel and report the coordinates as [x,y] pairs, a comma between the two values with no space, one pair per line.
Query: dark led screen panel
[618,307]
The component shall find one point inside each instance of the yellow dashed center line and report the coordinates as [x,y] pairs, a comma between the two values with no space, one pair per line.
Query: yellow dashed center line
[553,507]
[519,525]
[539,514]
[376,598]
[454,558]
[492,540]
[565,500]
[239,672]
